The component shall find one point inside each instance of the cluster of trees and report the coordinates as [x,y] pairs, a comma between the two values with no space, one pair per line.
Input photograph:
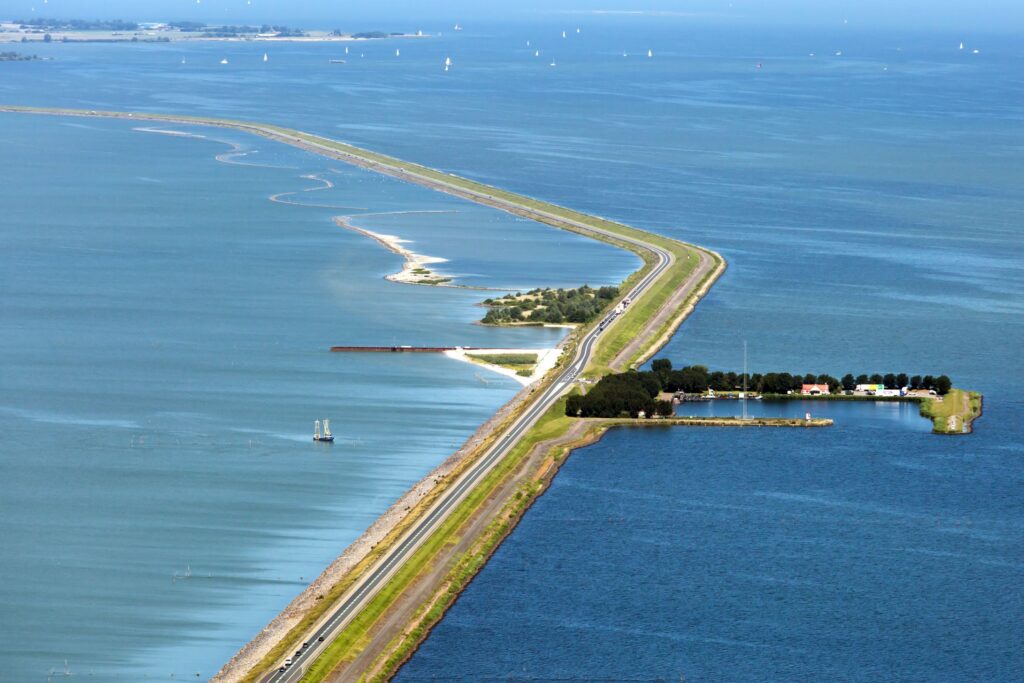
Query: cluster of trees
[187,26]
[232,31]
[547,305]
[16,57]
[698,379]
[626,394]
[78,24]
[364,34]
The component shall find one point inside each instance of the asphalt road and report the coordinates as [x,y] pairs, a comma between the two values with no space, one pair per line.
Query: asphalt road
[369,583]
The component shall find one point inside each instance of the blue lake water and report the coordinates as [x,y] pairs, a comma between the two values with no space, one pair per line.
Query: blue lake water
[159,315]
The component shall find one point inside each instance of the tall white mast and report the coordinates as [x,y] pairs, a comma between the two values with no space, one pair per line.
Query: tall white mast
[744,379]
[316,430]
[327,427]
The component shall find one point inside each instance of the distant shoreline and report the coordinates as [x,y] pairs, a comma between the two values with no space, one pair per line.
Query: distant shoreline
[14,33]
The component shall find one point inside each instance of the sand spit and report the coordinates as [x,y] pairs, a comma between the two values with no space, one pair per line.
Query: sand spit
[416,269]
[546,359]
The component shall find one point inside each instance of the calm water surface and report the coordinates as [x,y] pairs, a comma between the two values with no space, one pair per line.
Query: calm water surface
[870,207]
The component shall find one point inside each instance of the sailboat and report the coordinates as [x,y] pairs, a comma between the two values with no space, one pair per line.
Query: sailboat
[650,53]
[457,28]
[527,43]
[961,44]
[398,53]
[224,61]
[563,34]
[553,63]
[182,60]
[447,63]
[265,57]
[346,50]
[537,53]
[326,436]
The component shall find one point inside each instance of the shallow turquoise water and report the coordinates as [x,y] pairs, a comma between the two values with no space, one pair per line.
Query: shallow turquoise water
[869,206]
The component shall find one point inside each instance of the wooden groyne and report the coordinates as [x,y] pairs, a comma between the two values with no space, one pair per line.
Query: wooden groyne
[403,349]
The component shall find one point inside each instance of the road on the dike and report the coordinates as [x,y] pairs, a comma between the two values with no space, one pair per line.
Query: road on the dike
[367,585]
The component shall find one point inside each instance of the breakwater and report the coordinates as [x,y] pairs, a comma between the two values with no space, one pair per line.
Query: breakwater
[403,349]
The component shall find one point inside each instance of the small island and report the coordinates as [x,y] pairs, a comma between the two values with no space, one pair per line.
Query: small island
[549,306]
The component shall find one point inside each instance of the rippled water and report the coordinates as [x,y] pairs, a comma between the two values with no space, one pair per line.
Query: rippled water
[164,340]
[870,209]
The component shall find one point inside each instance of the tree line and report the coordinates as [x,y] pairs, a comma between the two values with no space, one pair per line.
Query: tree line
[556,306]
[78,24]
[635,392]
[695,379]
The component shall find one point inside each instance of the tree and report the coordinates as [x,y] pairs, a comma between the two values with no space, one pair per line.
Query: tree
[47,38]
[661,365]
[862,379]
[573,404]
[928,382]
[810,379]
[901,380]
[942,385]
[664,408]
[848,382]
[889,381]
[876,379]
[915,382]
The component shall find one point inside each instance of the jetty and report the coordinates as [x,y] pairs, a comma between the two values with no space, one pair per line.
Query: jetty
[404,349]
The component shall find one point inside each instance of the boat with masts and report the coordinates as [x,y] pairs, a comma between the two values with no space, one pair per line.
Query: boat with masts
[326,435]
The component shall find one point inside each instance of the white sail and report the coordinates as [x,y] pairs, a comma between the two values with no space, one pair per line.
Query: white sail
[650,53]
[224,61]
[398,53]
[346,50]
[447,61]
[563,34]
[327,427]
[961,45]
[265,57]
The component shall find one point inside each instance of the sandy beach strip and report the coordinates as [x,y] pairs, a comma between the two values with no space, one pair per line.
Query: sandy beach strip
[546,359]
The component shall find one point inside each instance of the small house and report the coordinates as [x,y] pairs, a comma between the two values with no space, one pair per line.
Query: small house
[813,389]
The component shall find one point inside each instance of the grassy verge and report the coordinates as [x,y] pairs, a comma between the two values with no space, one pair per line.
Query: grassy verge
[522,363]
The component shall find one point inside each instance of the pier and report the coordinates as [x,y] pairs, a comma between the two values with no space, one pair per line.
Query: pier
[403,349]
